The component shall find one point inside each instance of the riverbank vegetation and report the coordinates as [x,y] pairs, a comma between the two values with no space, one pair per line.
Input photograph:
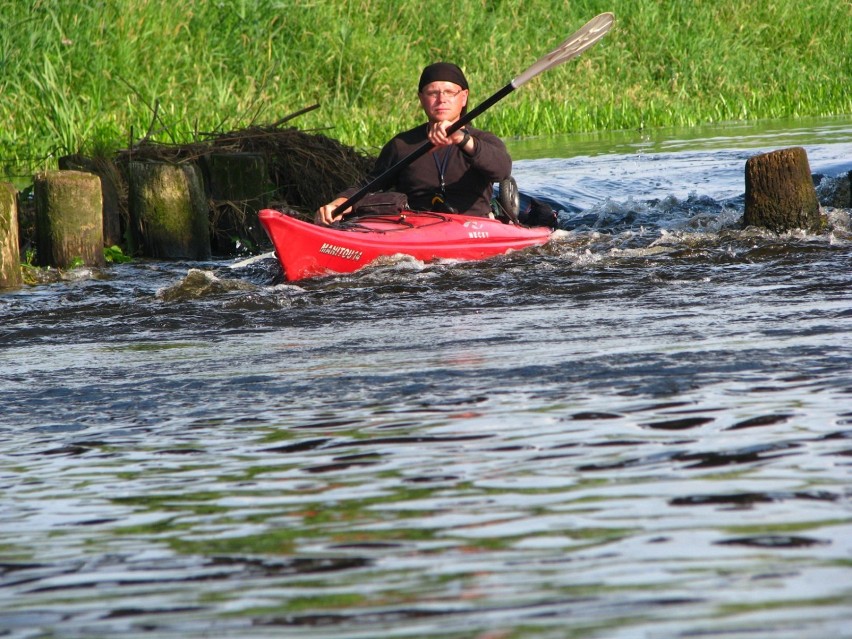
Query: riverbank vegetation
[94,75]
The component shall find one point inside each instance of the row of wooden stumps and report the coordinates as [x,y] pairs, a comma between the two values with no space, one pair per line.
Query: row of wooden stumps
[76,212]
[168,201]
[169,209]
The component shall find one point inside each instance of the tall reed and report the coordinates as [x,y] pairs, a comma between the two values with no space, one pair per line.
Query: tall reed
[82,74]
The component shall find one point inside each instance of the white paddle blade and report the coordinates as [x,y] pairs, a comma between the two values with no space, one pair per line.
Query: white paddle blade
[574,45]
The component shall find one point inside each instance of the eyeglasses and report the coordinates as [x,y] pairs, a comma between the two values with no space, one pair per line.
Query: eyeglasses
[447,94]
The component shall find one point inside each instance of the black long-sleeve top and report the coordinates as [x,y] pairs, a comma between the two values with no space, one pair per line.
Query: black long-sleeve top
[468,179]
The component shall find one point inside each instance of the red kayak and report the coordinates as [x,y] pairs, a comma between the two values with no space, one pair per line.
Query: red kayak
[310,250]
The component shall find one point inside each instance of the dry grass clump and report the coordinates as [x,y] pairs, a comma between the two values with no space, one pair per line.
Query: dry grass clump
[307,169]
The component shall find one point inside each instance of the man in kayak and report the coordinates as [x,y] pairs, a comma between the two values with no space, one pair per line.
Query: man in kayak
[457,175]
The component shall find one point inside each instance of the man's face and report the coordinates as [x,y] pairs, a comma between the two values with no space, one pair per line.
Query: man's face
[443,101]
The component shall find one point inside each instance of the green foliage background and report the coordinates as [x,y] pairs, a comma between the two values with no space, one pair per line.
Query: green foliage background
[82,75]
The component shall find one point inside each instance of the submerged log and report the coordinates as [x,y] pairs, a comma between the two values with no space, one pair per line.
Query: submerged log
[169,210]
[10,256]
[780,193]
[69,219]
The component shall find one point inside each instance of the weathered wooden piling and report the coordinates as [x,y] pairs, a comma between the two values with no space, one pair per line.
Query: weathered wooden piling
[69,219]
[239,187]
[10,256]
[110,186]
[168,210]
[780,193]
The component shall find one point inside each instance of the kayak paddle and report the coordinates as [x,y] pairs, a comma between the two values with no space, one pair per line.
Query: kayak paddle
[574,45]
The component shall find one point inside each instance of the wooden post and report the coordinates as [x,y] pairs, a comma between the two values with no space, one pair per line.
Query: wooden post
[168,210]
[110,186]
[239,187]
[10,256]
[69,219]
[780,193]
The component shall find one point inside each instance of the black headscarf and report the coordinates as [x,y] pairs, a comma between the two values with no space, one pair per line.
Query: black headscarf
[442,72]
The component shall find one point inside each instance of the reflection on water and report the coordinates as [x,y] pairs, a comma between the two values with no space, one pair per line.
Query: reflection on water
[642,429]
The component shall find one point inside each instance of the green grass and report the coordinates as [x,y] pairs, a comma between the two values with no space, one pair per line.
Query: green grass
[89,75]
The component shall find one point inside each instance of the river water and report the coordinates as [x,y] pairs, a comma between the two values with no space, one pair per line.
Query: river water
[640,430]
